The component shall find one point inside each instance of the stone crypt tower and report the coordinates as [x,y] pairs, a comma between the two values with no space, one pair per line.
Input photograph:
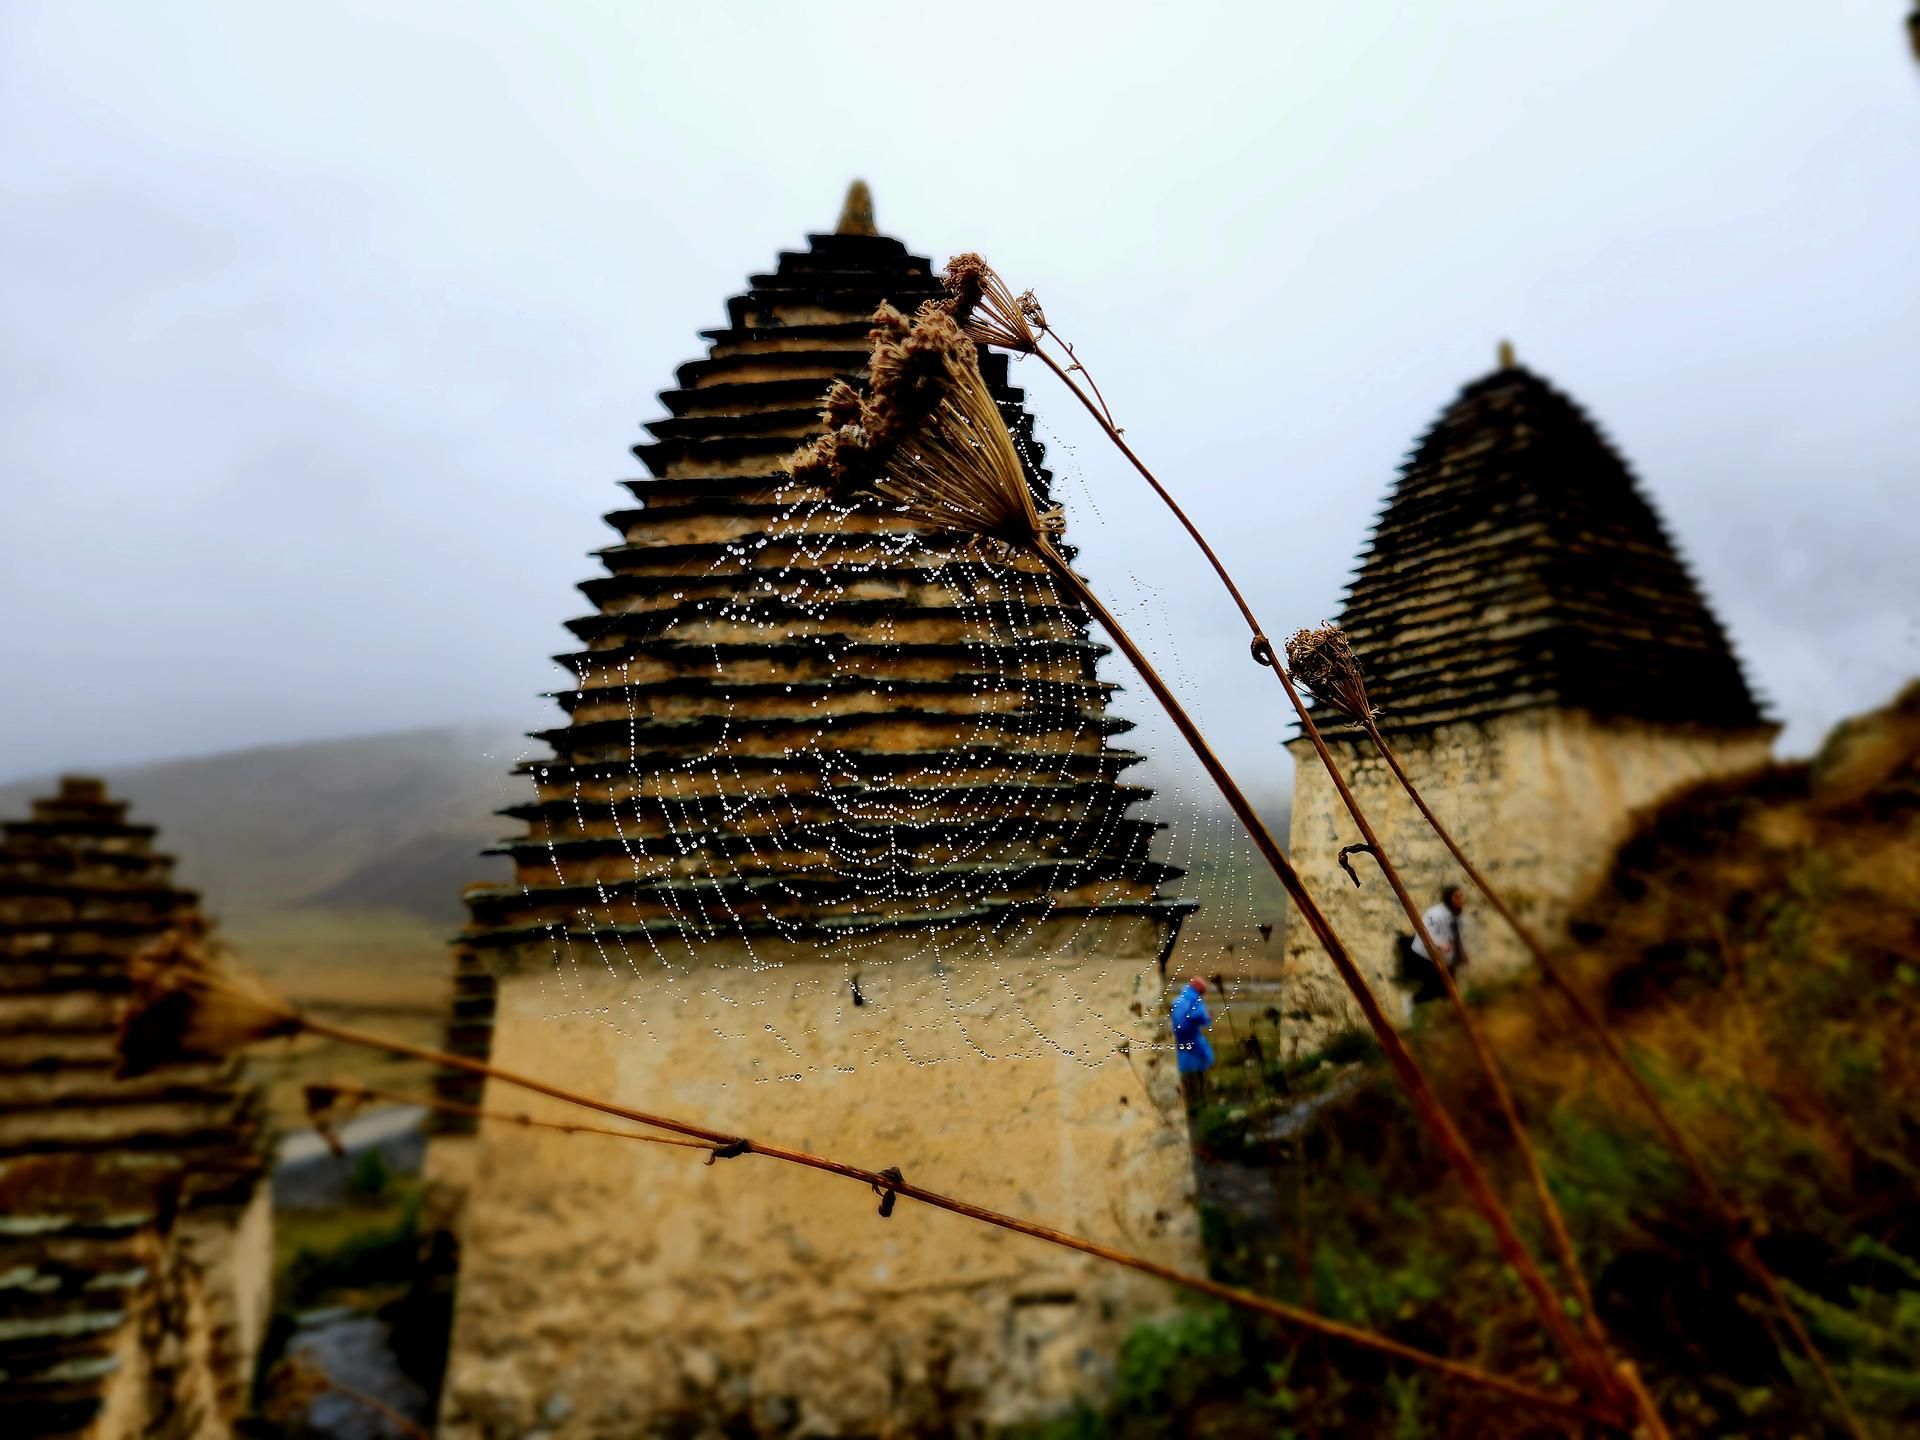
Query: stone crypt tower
[1543,663]
[135,1217]
[833,845]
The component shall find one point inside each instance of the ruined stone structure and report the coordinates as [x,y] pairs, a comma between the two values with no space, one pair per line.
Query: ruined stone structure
[1543,664]
[135,1226]
[833,850]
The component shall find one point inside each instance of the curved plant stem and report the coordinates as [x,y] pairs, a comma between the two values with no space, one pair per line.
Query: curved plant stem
[1739,1228]
[354,1090]
[1510,1111]
[386,1412]
[1550,1211]
[725,1144]
[1113,434]
[1593,1368]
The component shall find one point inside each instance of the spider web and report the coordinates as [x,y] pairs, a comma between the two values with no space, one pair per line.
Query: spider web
[830,907]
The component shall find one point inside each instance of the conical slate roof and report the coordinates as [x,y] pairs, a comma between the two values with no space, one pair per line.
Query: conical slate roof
[1517,564]
[791,717]
[118,1196]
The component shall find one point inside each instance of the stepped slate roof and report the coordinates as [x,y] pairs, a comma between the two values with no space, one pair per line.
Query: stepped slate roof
[118,1198]
[789,717]
[1517,565]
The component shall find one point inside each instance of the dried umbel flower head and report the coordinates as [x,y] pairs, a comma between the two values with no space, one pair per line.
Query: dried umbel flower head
[928,438]
[979,300]
[190,1003]
[1323,663]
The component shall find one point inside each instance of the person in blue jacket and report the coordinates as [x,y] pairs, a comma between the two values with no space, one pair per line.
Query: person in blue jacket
[1191,1046]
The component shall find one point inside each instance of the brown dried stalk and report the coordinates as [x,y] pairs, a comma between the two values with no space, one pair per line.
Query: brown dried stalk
[1324,661]
[1334,670]
[327,1104]
[1329,660]
[183,980]
[904,443]
[297,1381]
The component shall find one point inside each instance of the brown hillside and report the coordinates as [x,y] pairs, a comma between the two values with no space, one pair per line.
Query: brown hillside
[1756,948]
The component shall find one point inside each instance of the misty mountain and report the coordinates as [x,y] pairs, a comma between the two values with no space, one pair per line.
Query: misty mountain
[365,842]
[368,823]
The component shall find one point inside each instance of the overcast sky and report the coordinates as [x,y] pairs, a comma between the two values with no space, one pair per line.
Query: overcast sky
[325,327]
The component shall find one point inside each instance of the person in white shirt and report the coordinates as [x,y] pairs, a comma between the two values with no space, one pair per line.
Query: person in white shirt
[1443,923]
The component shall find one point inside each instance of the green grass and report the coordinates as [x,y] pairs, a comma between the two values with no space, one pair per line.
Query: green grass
[1757,948]
[339,1254]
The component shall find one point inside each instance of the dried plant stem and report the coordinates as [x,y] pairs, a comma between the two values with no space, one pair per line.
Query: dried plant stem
[354,1090]
[385,1411]
[1113,433]
[1536,1178]
[1592,1367]
[1550,1211]
[1739,1229]
[1741,1242]
[928,440]
[720,1140]
[300,1381]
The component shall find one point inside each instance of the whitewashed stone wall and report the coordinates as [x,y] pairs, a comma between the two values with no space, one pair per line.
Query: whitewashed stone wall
[1541,799]
[608,1287]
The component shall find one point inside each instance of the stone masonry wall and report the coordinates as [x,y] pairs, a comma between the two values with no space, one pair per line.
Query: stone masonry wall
[1540,799]
[608,1288]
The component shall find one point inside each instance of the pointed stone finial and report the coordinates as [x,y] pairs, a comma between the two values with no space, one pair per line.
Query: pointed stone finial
[82,790]
[856,216]
[1507,362]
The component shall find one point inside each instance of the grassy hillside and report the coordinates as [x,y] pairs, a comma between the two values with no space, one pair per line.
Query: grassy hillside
[1757,947]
